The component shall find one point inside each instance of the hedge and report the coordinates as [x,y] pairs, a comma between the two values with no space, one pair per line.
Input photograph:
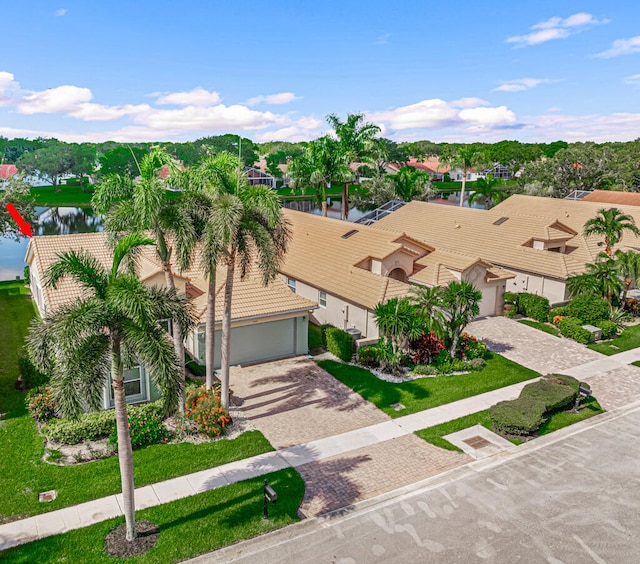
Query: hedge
[609,328]
[525,415]
[534,306]
[588,308]
[572,327]
[340,343]
[510,298]
[92,426]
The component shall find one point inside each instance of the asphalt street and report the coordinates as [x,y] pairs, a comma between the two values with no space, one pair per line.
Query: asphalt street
[569,497]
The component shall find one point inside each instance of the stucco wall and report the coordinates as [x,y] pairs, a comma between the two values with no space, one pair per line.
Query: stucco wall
[552,289]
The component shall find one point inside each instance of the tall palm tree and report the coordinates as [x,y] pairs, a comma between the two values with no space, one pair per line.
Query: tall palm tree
[465,157]
[116,323]
[486,187]
[428,304]
[460,303]
[601,278]
[412,184]
[628,263]
[611,224]
[356,139]
[137,205]
[321,163]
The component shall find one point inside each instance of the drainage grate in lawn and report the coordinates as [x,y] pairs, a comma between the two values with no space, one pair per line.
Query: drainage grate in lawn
[477,442]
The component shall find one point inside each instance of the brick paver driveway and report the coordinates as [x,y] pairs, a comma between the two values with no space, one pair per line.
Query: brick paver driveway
[614,383]
[294,401]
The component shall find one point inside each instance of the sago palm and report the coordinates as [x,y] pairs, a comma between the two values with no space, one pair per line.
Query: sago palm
[114,324]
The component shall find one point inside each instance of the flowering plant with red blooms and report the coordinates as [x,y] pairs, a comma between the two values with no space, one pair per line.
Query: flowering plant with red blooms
[471,348]
[204,413]
[425,348]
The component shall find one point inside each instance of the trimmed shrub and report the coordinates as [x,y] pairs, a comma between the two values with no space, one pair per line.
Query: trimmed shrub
[589,308]
[41,404]
[323,329]
[31,377]
[369,356]
[560,311]
[524,415]
[204,413]
[144,428]
[572,327]
[476,363]
[194,367]
[92,426]
[510,298]
[609,328]
[340,343]
[425,348]
[534,306]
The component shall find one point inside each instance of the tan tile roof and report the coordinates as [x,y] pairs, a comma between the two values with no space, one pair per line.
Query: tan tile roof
[613,197]
[475,232]
[250,298]
[318,255]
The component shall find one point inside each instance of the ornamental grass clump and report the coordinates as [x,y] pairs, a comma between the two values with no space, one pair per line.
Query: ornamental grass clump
[204,413]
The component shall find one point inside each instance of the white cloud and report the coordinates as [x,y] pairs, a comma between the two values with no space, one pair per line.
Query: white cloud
[8,88]
[61,12]
[62,99]
[520,84]
[98,112]
[553,109]
[621,47]
[633,80]
[556,28]
[275,99]
[382,39]
[196,97]
[437,113]
[597,128]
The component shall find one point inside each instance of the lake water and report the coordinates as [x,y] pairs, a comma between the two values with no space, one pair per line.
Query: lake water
[51,221]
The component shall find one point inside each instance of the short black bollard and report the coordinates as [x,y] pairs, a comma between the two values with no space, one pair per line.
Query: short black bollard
[270,496]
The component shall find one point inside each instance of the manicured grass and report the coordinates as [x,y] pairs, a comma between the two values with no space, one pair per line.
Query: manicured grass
[188,527]
[546,327]
[627,340]
[315,337]
[23,473]
[636,363]
[555,421]
[425,393]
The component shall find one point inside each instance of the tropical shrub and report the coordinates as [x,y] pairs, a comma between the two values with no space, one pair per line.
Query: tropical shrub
[424,370]
[524,415]
[620,317]
[560,311]
[476,363]
[368,356]
[144,428]
[92,426]
[425,348]
[534,306]
[323,329]
[194,367]
[204,413]
[472,348]
[30,376]
[40,404]
[572,327]
[340,343]
[510,298]
[609,328]
[588,308]
[632,306]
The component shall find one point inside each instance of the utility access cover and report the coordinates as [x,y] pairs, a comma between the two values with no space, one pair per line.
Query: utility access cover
[477,442]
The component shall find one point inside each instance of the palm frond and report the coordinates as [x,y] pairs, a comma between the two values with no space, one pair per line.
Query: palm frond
[80,265]
[127,244]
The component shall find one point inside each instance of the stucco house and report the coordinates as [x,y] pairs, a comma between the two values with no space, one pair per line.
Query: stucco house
[268,322]
[349,268]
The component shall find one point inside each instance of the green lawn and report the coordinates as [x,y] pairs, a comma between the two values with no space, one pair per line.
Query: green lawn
[22,471]
[72,196]
[188,527]
[425,393]
[556,421]
[628,339]
[546,327]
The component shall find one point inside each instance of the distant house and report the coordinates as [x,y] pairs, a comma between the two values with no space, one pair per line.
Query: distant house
[7,171]
[268,322]
[613,197]
[432,166]
[256,176]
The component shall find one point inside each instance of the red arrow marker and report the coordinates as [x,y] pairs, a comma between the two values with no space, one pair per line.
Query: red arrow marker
[22,224]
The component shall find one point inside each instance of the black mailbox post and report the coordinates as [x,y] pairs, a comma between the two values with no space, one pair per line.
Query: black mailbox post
[270,496]
[583,392]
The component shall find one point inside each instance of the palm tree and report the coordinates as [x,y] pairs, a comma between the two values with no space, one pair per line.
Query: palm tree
[138,205]
[412,184]
[116,323]
[460,303]
[628,263]
[398,324]
[465,157]
[356,139]
[428,303]
[601,278]
[321,163]
[611,224]
[486,187]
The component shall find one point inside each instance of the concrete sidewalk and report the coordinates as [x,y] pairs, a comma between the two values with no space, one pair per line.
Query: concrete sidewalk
[95,511]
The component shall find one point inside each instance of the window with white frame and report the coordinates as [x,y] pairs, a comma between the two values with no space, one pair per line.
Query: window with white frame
[135,385]
[292,284]
[322,299]
[167,325]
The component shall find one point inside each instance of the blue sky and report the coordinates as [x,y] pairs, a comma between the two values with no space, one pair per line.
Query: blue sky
[445,71]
